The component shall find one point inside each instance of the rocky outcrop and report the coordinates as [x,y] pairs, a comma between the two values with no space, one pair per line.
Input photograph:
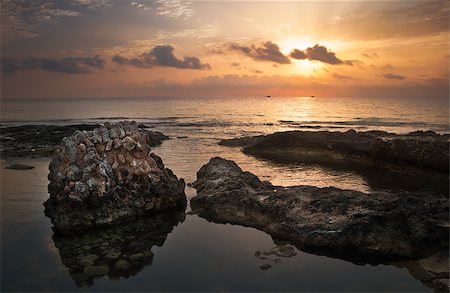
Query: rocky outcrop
[101,176]
[414,153]
[117,251]
[347,224]
[36,141]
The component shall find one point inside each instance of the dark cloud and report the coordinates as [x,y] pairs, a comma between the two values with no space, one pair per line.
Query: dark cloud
[387,66]
[161,56]
[393,76]
[235,64]
[70,65]
[319,53]
[298,54]
[267,51]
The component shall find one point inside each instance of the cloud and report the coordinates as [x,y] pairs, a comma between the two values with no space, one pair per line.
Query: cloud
[399,19]
[69,65]
[319,53]
[234,64]
[298,54]
[21,19]
[393,76]
[267,51]
[174,8]
[139,5]
[341,76]
[94,4]
[161,56]
[370,55]
[387,66]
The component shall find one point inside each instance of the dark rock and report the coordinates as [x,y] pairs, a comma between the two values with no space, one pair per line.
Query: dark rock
[41,140]
[92,271]
[347,224]
[20,167]
[122,265]
[416,152]
[92,186]
[265,267]
[106,251]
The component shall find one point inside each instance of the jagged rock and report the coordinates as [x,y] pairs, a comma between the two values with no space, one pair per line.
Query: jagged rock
[359,227]
[117,250]
[91,185]
[417,152]
[41,140]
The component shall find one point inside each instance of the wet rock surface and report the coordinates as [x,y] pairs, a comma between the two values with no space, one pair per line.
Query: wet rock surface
[421,152]
[35,141]
[108,174]
[345,224]
[119,251]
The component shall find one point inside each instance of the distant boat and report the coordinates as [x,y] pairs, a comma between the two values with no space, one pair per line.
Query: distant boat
[313,96]
[268,96]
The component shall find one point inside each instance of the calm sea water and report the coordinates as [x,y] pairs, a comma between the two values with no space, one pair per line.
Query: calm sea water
[197,255]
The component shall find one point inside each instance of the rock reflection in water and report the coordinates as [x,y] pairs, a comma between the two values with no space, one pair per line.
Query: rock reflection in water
[117,251]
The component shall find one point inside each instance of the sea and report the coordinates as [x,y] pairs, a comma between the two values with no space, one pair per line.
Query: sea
[197,255]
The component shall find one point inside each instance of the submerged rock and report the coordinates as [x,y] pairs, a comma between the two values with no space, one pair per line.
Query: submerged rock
[116,251]
[93,185]
[359,227]
[414,153]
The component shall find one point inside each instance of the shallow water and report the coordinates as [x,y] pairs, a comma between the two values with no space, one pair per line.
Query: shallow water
[197,255]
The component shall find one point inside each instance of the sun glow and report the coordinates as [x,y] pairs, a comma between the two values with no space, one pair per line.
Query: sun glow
[305,66]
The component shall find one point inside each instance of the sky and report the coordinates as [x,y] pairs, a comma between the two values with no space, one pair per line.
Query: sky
[106,48]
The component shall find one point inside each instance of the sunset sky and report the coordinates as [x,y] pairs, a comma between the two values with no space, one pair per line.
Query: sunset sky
[105,48]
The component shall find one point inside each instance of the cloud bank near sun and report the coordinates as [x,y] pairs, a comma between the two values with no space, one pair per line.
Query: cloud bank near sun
[172,47]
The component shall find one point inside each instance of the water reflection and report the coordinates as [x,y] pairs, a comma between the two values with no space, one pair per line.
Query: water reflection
[117,251]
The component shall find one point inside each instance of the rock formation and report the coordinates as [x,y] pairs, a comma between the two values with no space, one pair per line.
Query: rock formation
[38,141]
[425,153]
[359,227]
[116,251]
[98,177]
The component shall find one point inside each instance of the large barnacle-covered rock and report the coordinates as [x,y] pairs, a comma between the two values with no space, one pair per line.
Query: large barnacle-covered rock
[98,177]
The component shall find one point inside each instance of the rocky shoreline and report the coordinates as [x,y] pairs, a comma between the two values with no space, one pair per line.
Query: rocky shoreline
[345,224]
[37,141]
[415,153]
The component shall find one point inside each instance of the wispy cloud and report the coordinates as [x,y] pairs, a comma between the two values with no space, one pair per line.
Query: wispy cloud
[94,4]
[393,76]
[20,19]
[139,5]
[69,65]
[161,56]
[174,8]
[23,19]
[341,76]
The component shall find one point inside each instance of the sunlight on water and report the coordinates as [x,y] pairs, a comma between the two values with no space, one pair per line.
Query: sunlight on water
[203,255]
